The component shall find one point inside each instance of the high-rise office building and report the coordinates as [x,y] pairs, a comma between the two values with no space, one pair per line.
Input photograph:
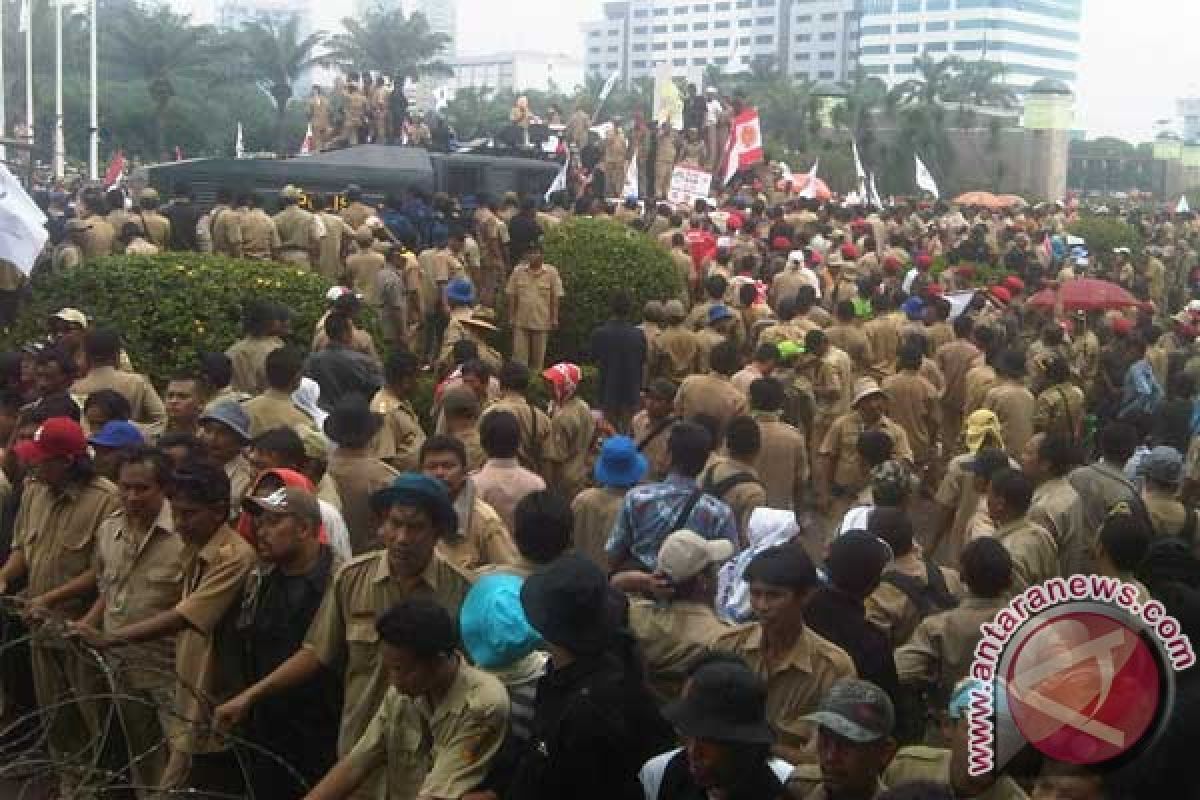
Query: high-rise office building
[1033,39]
[811,39]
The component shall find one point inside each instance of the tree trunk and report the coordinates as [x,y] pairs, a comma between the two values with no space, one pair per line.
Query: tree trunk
[280,132]
[160,129]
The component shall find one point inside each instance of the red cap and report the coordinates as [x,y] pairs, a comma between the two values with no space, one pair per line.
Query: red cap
[924,261]
[1014,284]
[58,437]
[966,271]
[1001,294]
[781,243]
[814,258]
[849,251]
[1122,326]
[891,265]
[935,290]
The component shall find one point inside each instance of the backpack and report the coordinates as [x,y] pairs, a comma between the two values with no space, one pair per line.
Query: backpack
[929,598]
[718,488]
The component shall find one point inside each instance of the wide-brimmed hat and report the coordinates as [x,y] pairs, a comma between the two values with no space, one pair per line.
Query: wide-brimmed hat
[856,710]
[685,554]
[864,388]
[725,702]
[230,414]
[422,491]
[352,420]
[1162,465]
[568,604]
[71,315]
[492,623]
[460,291]
[620,463]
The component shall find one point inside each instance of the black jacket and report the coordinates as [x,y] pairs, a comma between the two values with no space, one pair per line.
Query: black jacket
[619,349]
[678,784]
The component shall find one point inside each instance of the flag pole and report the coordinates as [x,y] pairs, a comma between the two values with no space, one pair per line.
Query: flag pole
[60,146]
[3,110]
[93,111]
[27,21]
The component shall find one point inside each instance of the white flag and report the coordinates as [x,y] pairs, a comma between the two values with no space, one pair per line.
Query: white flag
[631,178]
[560,182]
[785,174]
[23,17]
[858,170]
[810,186]
[306,147]
[604,93]
[875,199]
[239,148]
[925,179]
[22,224]
[1183,206]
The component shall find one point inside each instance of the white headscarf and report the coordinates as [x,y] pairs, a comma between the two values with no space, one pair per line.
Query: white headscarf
[767,528]
[307,398]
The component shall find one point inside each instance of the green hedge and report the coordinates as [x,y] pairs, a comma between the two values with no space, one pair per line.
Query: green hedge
[168,308]
[595,258]
[1103,234]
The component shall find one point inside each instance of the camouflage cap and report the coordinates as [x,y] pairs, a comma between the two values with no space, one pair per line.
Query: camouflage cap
[856,710]
[891,483]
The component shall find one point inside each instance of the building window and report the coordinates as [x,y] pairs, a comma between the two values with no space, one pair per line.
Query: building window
[770,21]
[906,48]
[679,45]
[660,28]
[722,6]
[908,6]
[700,26]
[828,37]
[935,47]
[908,27]
[612,48]
[877,69]
[803,37]
[745,3]
[700,9]
[680,9]
[658,46]
[745,23]
[904,69]
[680,28]
[765,39]
[937,5]
[614,31]
[640,47]
[721,61]
[660,12]
[804,18]
[721,23]
[825,75]
[937,26]
[803,56]
[679,62]
[877,7]
[639,64]
[828,56]
[640,30]
[699,44]
[641,13]
[875,50]
[829,17]
[593,50]
[745,40]
[969,45]
[699,62]
[611,65]
[766,3]
[875,30]
[802,76]
[594,34]
[720,43]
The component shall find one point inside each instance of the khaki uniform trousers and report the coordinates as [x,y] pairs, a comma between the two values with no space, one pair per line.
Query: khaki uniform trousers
[529,348]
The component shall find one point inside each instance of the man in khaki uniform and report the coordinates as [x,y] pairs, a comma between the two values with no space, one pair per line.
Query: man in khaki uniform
[103,350]
[156,226]
[913,404]
[225,225]
[139,575]
[275,408]
[1056,506]
[664,159]
[674,354]
[847,335]
[674,635]
[841,473]
[356,213]
[364,265]
[299,232]
[356,471]
[1034,553]
[802,665]
[534,424]
[619,467]
[380,99]
[262,325]
[955,359]
[652,427]
[99,237]
[576,133]
[54,539]
[571,430]
[354,113]
[1061,407]
[831,373]
[343,634]
[331,262]
[534,293]
[260,237]
[732,478]
[1013,404]
[319,116]
[783,461]
[69,253]
[449,735]
[713,393]
[493,245]
[615,157]
[403,430]
[224,434]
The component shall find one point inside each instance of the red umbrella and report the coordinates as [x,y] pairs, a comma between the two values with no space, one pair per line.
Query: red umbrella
[1085,294]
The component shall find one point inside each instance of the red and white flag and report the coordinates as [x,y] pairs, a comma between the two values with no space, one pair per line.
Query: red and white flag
[116,170]
[178,153]
[745,144]
[306,147]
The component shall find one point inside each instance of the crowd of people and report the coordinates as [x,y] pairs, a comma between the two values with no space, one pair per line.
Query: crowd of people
[753,563]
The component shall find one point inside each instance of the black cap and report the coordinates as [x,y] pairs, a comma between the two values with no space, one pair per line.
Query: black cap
[724,702]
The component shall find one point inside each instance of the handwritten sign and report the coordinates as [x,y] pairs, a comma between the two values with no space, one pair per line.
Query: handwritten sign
[688,185]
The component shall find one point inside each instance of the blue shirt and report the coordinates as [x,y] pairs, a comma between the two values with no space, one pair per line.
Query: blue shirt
[1141,392]
[648,516]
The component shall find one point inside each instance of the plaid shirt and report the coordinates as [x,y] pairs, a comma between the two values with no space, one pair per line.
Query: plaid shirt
[648,516]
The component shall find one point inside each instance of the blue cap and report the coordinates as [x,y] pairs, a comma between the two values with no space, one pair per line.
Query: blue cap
[116,434]
[913,307]
[960,700]
[460,291]
[718,312]
[492,622]
[422,491]
[620,463]
[230,414]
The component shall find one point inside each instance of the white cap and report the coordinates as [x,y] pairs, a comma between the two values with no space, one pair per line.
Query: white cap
[685,554]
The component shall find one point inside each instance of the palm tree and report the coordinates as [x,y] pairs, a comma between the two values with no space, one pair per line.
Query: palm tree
[981,83]
[387,41]
[935,81]
[477,111]
[276,58]
[159,47]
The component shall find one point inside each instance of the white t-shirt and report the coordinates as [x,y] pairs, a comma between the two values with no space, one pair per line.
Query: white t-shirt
[652,771]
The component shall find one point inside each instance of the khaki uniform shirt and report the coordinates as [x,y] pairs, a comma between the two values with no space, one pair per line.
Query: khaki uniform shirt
[356,215]
[1058,508]
[535,427]
[98,239]
[534,294]
[225,226]
[884,339]
[1034,554]
[358,476]
[482,540]
[796,685]
[942,648]
[710,394]
[889,608]
[568,447]
[673,636]
[979,381]
[1167,515]
[841,445]
[66,256]
[298,232]
[595,511]
[364,267]
[260,236]
[955,359]
[938,334]
[57,534]
[1085,355]
[653,447]
[448,265]
[493,236]
[157,227]
[435,752]
[921,763]
[743,498]
[402,445]
[343,630]
[146,407]
[674,354]
[1014,406]
[782,462]
[957,492]
[139,574]
[274,409]
[214,579]
[1060,410]
[1101,486]
[242,476]
[913,405]
[141,247]
[249,357]
[330,263]
[853,341]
